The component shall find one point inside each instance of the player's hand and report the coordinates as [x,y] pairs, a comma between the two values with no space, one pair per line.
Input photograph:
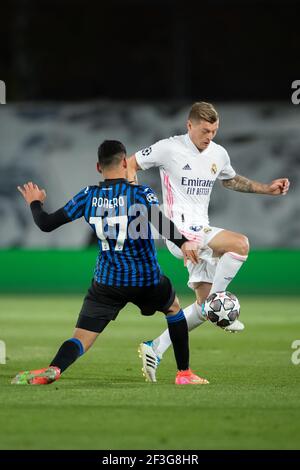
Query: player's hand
[190,252]
[278,187]
[31,192]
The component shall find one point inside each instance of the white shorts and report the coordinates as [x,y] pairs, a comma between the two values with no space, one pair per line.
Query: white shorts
[204,271]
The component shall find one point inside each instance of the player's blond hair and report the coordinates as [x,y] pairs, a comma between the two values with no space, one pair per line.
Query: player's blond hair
[202,111]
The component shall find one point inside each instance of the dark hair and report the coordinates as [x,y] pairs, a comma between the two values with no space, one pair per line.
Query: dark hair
[110,153]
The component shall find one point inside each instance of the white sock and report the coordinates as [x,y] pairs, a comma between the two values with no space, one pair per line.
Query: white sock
[194,318]
[227,268]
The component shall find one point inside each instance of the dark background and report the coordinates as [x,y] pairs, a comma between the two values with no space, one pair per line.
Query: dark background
[182,50]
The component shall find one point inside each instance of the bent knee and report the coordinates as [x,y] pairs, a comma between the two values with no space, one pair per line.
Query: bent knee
[175,307]
[241,245]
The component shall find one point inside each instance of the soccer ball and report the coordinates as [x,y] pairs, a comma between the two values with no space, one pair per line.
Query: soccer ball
[222,308]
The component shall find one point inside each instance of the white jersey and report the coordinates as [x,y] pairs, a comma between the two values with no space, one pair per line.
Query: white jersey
[187,178]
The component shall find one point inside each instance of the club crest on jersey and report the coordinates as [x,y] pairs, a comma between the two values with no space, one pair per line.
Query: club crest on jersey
[196,228]
[207,230]
[214,169]
[146,151]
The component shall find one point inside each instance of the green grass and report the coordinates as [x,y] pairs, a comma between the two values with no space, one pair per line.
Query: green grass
[102,402]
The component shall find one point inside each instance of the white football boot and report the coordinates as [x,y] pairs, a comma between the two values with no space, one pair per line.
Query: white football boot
[150,360]
[235,327]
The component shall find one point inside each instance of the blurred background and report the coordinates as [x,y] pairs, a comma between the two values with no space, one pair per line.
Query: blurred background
[79,72]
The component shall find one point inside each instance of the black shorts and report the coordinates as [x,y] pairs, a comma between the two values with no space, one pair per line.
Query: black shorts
[103,303]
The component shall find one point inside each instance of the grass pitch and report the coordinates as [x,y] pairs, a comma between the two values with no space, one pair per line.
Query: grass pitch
[102,401]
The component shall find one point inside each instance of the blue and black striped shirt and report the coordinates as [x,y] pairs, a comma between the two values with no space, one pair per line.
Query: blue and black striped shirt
[118,213]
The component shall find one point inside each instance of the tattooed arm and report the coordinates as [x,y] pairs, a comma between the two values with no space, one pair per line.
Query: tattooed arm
[244,185]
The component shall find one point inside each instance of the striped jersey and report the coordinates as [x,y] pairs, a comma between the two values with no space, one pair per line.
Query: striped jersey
[117,211]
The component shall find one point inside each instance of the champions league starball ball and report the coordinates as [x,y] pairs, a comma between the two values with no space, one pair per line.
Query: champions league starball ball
[222,308]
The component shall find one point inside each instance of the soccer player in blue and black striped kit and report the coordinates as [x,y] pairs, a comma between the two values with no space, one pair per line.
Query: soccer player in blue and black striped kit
[126,270]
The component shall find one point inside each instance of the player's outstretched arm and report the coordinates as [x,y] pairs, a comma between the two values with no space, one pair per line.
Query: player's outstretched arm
[31,192]
[35,197]
[168,230]
[278,187]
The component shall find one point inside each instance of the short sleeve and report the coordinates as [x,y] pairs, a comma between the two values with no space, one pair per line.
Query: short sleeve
[76,206]
[153,156]
[227,171]
[149,196]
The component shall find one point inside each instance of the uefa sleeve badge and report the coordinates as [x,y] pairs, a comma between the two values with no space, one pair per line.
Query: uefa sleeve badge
[146,151]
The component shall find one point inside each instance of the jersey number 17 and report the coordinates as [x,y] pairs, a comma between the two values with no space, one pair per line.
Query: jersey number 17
[121,220]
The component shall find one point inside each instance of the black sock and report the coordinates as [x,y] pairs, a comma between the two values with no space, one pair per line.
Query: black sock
[69,351]
[179,335]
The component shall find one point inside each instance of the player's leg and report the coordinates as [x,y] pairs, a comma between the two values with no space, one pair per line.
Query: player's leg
[232,249]
[66,355]
[163,299]
[178,331]
[75,347]
[226,251]
[100,306]
[193,314]
[96,312]
[221,257]
[202,290]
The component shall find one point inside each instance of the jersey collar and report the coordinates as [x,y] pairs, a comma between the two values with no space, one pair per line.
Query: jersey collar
[193,147]
[113,180]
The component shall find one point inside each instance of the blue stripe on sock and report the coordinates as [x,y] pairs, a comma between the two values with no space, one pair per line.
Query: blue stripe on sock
[176,318]
[79,344]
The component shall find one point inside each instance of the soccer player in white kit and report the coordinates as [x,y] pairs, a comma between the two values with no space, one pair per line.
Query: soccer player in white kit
[189,165]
